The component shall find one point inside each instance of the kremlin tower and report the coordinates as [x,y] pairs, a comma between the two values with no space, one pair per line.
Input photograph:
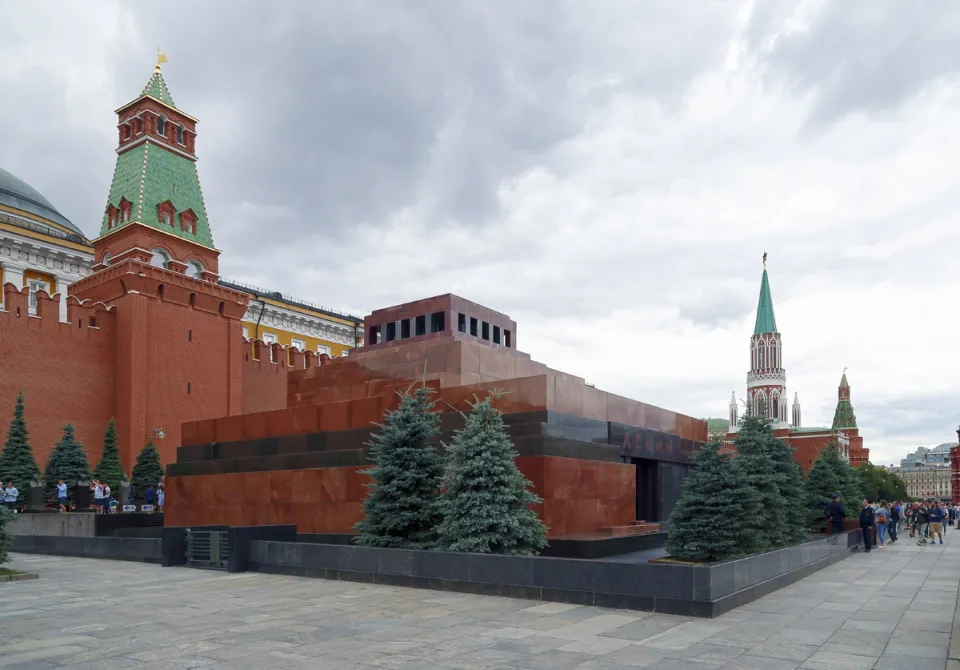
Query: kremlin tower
[767,395]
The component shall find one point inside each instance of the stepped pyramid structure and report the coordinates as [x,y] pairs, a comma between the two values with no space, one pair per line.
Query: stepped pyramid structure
[604,465]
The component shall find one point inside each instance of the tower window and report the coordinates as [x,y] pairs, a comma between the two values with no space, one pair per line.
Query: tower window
[194,269]
[126,207]
[160,258]
[161,125]
[188,222]
[180,134]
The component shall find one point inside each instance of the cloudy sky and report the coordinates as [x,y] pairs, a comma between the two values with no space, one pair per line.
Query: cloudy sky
[608,173]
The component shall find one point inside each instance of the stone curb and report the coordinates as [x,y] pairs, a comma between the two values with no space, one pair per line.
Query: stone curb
[953,655]
[22,577]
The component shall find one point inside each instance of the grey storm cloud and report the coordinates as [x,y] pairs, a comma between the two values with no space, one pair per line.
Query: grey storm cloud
[866,56]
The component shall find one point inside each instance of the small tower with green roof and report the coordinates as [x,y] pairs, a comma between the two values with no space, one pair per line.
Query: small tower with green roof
[767,379]
[156,189]
[158,271]
[843,417]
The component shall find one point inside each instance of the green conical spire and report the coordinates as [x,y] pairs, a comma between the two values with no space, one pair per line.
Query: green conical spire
[151,174]
[766,321]
[843,381]
[157,88]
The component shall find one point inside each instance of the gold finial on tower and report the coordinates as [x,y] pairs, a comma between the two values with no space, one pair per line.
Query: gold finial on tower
[161,58]
[764,253]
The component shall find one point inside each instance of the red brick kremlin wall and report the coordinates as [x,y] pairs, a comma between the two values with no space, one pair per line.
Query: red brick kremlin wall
[69,372]
[66,370]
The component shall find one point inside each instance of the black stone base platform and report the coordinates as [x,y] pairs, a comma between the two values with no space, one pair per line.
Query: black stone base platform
[689,590]
[587,548]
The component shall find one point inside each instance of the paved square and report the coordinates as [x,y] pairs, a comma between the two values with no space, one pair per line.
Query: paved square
[889,609]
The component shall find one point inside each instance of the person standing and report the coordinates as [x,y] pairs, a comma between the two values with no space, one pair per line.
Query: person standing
[160,498]
[921,515]
[882,518]
[867,525]
[10,495]
[97,496]
[835,513]
[62,495]
[894,526]
[936,523]
[106,498]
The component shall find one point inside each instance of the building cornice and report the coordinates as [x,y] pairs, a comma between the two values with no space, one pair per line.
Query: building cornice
[315,326]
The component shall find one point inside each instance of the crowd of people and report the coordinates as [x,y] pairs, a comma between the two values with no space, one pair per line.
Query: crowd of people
[927,521]
[104,501]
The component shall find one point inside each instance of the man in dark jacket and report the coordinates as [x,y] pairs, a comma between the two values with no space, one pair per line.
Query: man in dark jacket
[867,524]
[835,514]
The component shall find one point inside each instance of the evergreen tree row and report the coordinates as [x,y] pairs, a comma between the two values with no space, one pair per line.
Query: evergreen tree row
[472,499]
[755,500]
[68,460]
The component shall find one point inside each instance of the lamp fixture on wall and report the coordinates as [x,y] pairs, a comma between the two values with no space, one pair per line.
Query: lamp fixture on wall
[158,433]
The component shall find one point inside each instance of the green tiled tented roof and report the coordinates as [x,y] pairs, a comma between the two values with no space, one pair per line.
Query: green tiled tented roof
[766,322]
[844,416]
[843,381]
[157,88]
[148,175]
[716,425]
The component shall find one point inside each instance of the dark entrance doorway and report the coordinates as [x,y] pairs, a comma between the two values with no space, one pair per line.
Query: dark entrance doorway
[648,489]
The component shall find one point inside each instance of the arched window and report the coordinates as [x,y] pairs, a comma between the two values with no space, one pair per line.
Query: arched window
[161,125]
[775,406]
[194,269]
[106,259]
[180,134]
[761,356]
[160,258]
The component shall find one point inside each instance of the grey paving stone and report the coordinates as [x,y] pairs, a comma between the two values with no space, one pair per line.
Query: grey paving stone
[760,663]
[897,662]
[841,617]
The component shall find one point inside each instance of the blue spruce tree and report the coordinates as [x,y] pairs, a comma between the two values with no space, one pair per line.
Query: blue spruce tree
[486,500]
[68,461]
[709,521]
[17,463]
[753,458]
[402,509]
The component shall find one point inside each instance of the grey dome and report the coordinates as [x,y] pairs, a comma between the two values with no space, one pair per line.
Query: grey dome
[14,192]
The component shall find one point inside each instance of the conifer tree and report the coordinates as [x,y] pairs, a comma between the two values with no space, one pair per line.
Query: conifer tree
[709,521]
[402,509]
[5,540]
[831,473]
[109,470]
[68,461]
[754,461]
[17,463]
[147,471]
[485,499]
[790,484]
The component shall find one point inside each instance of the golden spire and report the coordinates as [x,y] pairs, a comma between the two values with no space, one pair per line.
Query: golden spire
[764,253]
[161,58]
